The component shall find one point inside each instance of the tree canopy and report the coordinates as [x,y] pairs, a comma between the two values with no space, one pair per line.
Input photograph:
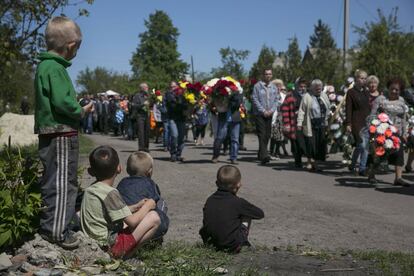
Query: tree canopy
[156,59]
[385,50]
[265,60]
[101,79]
[323,59]
[20,41]
[232,63]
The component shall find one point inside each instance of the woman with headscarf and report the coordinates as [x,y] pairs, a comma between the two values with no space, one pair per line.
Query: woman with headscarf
[313,120]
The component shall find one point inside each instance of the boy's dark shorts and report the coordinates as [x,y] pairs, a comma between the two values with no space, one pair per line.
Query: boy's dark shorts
[245,238]
[163,228]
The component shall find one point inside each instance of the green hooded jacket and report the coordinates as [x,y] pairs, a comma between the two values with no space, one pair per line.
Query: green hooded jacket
[57,110]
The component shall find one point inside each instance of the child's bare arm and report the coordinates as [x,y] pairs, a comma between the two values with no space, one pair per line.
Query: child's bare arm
[135,207]
[133,220]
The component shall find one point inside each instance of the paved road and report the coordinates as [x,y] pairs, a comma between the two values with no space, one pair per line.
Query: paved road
[329,210]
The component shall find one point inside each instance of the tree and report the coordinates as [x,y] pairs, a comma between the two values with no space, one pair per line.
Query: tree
[322,59]
[156,59]
[101,79]
[293,60]
[232,63]
[265,60]
[385,50]
[20,40]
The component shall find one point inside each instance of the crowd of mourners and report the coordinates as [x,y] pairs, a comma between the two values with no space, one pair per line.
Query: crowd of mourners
[122,216]
[314,118]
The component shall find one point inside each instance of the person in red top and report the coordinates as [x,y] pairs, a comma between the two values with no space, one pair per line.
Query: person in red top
[289,109]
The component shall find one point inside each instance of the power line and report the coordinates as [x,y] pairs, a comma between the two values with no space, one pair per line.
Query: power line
[366,9]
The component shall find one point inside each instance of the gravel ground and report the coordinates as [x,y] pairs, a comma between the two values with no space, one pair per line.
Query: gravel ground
[330,210]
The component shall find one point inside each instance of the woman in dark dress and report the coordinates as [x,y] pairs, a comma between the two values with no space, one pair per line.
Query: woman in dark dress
[313,120]
[394,106]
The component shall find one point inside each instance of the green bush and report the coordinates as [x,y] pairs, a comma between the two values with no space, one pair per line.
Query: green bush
[20,202]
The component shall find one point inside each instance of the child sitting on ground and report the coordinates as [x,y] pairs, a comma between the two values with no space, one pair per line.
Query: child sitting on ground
[104,215]
[139,185]
[226,217]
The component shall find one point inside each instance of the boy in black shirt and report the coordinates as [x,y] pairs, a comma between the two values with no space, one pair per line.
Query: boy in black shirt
[227,217]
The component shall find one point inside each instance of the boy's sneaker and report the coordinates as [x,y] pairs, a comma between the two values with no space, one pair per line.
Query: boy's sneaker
[69,243]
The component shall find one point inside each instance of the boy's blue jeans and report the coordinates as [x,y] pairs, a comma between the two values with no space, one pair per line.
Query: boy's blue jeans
[59,186]
[361,150]
[222,128]
[166,134]
[177,131]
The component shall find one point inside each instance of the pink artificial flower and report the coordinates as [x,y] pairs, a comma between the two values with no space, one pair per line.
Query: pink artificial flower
[383,117]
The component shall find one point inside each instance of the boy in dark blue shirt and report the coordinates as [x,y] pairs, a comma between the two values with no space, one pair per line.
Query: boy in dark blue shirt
[139,185]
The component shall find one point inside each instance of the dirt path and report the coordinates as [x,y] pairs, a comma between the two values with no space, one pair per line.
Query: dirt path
[333,210]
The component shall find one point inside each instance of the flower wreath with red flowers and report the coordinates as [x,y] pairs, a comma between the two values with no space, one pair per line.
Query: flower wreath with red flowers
[192,91]
[222,88]
[384,138]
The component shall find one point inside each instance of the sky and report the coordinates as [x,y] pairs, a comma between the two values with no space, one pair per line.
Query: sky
[110,33]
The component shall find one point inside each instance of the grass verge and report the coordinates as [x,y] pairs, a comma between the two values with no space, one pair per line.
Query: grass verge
[389,263]
[180,258]
[86,145]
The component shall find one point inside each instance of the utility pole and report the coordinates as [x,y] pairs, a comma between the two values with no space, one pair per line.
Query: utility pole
[346,35]
[192,70]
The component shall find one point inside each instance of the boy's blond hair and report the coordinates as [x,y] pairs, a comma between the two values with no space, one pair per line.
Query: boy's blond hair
[139,163]
[60,31]
[228,177]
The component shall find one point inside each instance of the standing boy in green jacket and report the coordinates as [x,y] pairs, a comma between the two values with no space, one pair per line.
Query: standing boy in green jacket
[57,117]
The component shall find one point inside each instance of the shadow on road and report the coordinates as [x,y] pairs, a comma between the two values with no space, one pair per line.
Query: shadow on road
[199,161]
[354,182]
[167,158]
[398,190]
[248,159]
[290,166]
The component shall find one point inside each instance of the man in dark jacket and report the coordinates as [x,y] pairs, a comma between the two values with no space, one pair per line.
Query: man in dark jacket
[140,106]
[357,110]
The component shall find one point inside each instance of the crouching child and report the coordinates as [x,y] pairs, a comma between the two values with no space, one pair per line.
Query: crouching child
[227,217]
[105,216]
[139,186]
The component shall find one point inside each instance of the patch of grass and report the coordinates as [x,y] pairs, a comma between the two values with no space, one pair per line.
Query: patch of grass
[86,145]
[180,258]
[250,271]
[390,263]
[310,252]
